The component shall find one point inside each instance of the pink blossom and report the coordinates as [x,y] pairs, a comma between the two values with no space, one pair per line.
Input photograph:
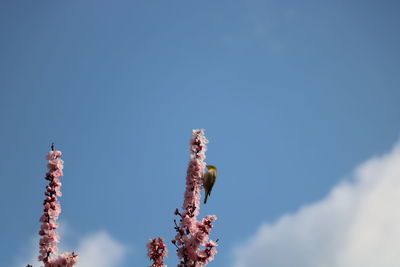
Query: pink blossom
[52,209]
[64,260]
[157,251]
[191,233]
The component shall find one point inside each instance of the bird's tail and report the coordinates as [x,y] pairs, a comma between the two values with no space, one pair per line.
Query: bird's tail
[205,199]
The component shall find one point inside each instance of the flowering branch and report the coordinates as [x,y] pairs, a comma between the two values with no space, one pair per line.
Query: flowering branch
[191,233]
[52,208]
[157,250]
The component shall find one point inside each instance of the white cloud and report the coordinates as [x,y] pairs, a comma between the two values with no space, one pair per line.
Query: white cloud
[356,225]
[95,250]
[100,250]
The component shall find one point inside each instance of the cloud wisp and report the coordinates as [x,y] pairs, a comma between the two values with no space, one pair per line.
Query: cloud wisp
[100,250]
[356,225]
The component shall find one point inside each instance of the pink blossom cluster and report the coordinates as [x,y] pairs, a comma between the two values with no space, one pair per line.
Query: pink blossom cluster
[52,208]
[157,250]
[191,233]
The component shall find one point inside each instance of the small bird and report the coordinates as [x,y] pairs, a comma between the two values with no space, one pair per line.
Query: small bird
[209,179]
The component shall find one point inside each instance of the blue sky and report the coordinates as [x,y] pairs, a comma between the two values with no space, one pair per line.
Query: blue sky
[293,96]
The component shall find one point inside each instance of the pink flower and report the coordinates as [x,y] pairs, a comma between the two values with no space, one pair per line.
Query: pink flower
[157,251]
[191,233]
[52,209]
[211,218]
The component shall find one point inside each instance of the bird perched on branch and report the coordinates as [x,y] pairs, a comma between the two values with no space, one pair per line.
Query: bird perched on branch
[209,179]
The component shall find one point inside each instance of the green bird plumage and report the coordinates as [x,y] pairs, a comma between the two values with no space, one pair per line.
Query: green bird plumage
[209,179]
